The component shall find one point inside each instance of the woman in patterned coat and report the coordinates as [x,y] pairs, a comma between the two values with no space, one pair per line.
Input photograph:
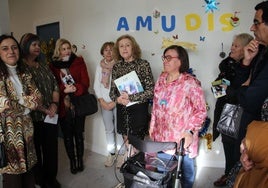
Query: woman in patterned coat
[132,119]
[18,96]
[179,108]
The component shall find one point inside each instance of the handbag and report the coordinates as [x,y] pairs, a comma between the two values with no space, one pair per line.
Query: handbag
[230,118]
[85,104]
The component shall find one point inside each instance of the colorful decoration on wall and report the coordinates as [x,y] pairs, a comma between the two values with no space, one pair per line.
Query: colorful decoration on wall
[205,127]
[234,20]
[171,41]
[156,13]
[211,5]
[175,36]
[208,137]
[156,32]
[202,38]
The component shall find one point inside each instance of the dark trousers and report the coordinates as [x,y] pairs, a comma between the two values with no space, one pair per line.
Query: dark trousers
[25,180]
[46,145]
[73,128]
[230,160]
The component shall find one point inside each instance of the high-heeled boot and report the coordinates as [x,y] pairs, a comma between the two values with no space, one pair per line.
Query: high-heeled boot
[73,166]
[80,152]
[69,146]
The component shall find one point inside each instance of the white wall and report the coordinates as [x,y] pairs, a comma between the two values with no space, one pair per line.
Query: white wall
[93,22]
[4,17]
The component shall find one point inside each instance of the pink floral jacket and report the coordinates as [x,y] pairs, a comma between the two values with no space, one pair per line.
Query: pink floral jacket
[177,107]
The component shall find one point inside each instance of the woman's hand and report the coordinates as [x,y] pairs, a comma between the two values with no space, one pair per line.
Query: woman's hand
[188,140]
[69,88]
[244,158]
[123,99]
[52,110]
[106,105]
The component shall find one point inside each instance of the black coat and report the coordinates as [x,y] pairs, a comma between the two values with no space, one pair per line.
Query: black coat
[252,97]
[237,74]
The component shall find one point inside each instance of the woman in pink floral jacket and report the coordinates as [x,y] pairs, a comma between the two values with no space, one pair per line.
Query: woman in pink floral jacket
[179,108]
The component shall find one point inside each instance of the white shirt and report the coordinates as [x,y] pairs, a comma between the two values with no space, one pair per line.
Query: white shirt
[100,90]
[13,76]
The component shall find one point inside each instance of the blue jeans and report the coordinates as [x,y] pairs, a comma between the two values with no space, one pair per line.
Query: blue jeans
[188,172]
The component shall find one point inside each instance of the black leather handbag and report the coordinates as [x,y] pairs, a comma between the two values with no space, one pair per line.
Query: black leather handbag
[229,122]
[85,105]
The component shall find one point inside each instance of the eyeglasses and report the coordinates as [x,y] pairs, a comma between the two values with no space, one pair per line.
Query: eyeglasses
[257,22]
[168,58]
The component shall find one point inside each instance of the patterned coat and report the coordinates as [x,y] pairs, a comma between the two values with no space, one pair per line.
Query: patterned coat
[177,106]
[16,124]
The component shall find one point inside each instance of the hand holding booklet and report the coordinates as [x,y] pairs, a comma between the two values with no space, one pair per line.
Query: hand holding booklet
[129,83]
[217,89]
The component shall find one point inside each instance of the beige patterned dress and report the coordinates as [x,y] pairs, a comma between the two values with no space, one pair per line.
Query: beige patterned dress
[16,124]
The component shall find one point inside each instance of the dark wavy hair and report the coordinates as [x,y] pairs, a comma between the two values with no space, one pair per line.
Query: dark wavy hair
[182,55]
[25,42]
[3,68]
[264,7]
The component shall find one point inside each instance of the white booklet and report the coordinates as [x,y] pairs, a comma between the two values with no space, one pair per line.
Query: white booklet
[51,120]
[129,83]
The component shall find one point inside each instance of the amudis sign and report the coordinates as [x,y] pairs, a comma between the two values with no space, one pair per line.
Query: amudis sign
[191,22]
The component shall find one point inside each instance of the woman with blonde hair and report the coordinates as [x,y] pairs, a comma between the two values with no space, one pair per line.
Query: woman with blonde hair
[72,76]
[230,69]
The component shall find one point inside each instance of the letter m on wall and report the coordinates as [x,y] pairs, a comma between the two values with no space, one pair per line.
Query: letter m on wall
[143,23]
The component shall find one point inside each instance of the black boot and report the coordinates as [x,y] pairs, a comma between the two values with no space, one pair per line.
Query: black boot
[69,146]
[73,166]
[80,151]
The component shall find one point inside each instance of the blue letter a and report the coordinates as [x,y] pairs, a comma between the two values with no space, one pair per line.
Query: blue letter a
[122,24]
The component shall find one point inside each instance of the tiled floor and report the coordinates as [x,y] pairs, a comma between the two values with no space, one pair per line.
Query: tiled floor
[96,175]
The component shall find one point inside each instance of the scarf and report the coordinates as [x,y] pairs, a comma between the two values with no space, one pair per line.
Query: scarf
[64,64]
[106,70]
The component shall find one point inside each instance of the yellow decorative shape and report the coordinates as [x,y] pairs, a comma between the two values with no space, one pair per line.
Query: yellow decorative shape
[169,41]
[208,137]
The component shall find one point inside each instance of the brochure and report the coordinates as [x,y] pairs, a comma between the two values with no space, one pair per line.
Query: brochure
[218,91]
[51,120]
[129,83]
[216,88]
